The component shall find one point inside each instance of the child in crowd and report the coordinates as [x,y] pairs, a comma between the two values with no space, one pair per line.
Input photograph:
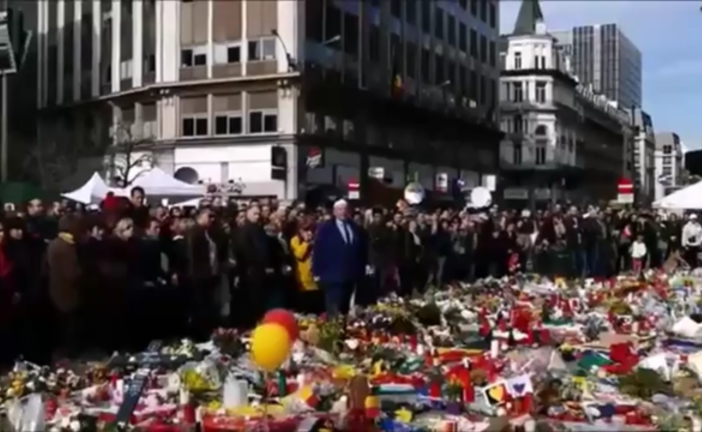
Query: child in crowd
[638,254]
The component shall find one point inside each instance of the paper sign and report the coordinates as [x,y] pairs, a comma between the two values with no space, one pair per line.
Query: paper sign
[495,394]
[520,385]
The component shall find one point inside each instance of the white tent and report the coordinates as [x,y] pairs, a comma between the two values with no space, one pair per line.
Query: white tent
[93,191]
[689,198]
[157,182]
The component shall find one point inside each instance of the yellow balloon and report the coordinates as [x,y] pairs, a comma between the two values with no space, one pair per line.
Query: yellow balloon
[270,346]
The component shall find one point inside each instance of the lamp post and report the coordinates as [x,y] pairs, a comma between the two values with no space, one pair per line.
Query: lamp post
[292,63]
[14,44]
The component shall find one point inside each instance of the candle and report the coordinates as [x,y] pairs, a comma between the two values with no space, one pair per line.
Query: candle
[494,348]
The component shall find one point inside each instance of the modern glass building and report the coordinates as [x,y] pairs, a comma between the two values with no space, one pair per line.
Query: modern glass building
[605,58]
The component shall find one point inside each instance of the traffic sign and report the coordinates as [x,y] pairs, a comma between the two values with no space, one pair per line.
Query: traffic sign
[353,189]
[625,191]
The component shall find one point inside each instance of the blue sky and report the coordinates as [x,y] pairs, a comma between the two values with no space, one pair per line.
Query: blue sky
[669,35]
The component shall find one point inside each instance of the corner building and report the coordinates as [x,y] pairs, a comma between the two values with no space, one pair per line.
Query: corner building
[283,96]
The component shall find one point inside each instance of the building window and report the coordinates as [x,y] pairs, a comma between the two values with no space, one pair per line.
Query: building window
[541,92]
[483,49]
[493,54]
[374,44]
[540,154]
[451,30]
[411,13]
[493,15]
[667,149]
[518,92]
[473,86]
[396,8]
[194,126]
[517,60]
[227,54]
[411,60]
[150,63]
[517,153]
[262,49]
[667,171]
[228,124]
[539,62]
[474,7]
[126,69]
[190,57]
[462,37]
[263,121]
[518,126]
[474,44]
[439,70]
[668,160]
[439,24]
[426,16]
[426,66]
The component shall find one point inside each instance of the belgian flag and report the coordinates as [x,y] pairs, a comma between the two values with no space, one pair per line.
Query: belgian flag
[396,83]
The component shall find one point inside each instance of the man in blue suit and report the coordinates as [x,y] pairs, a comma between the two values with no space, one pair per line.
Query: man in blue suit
[338,259]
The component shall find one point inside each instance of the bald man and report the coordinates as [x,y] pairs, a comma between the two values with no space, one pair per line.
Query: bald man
[339,259]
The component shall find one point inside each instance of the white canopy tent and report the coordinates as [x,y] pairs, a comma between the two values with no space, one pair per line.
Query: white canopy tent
[157,182]
[92,192]
[689,198]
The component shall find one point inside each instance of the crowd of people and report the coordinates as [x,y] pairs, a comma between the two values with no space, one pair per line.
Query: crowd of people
[125,273]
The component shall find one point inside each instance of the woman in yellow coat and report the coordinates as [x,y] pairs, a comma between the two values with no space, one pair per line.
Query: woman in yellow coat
[309,298]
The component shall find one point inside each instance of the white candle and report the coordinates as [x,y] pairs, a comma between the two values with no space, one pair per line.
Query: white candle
[494,348]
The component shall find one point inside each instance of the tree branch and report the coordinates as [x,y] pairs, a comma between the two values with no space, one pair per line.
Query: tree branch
[128,153]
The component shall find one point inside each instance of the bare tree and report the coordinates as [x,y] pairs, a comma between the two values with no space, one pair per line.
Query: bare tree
[128,156]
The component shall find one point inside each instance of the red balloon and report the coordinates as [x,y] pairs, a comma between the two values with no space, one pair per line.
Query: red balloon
[284,318]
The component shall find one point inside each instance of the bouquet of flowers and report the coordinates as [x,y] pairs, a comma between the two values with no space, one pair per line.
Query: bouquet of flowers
[228,341]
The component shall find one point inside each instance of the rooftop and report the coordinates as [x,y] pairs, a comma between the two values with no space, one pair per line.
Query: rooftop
[529,15]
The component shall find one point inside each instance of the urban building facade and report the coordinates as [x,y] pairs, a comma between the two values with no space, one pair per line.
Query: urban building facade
[604,58]
[669,163]
[644,163]
[561,142]
[280,96]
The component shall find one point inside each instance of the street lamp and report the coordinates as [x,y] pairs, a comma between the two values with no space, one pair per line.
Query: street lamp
[332,40]
[292,63]
[14,45]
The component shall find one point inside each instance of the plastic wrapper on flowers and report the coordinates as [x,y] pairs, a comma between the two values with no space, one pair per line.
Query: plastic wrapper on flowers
[519,353]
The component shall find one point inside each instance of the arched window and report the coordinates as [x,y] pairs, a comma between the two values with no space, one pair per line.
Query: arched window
[541,130]
[187,175]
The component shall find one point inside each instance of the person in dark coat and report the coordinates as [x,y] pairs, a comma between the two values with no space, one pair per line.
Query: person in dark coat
[66,284]
[177,270]
[339,260]
[149,292]
[259,264]
[202,274]
[117,273]
[37,311]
